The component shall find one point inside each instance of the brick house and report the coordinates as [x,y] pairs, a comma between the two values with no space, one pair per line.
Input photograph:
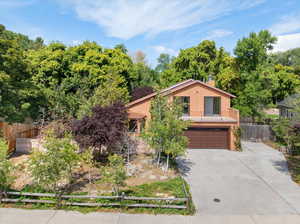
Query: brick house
[207,107]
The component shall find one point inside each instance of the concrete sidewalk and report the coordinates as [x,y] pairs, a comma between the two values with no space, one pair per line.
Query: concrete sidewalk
[19,216]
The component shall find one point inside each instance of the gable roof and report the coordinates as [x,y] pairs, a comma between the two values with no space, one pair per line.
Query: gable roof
[290,101]
[177,87]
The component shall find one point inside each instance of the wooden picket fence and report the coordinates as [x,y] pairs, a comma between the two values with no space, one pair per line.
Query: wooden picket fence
[255,132]
[114,201]
[13,131]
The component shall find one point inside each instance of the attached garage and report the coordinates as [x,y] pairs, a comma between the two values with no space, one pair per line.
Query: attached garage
[208,138]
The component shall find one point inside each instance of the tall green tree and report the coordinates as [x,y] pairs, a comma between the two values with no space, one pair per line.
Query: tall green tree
[107,93]
[24,42]
[284,82]
[252,51]
[197,62]
[122,47]
[289,58]
[163,62]
[143,74]
[18,96]
[254,96]
[67,74]
[254,80]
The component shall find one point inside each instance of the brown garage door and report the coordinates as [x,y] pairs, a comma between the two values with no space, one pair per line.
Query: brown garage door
[207,138]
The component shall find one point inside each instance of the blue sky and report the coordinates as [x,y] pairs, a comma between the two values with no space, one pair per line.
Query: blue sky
[153,26]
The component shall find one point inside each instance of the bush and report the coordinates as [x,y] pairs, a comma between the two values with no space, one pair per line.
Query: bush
[51,168]
[286,134]
[6,168]
[105,127]
[57,128]
[115,173]
[237,131]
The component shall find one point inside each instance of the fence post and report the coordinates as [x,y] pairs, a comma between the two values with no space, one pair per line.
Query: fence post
[122,199]
[59,199]
[187,202]
[1,196]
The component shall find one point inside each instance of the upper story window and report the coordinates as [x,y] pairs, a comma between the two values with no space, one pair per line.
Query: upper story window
[212,105]
[185,101]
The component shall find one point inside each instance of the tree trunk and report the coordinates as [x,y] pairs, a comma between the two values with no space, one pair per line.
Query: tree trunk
[167,162]
[158,159]
[128,155]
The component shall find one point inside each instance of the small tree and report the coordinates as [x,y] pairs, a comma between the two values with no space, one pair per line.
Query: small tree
[6,168]
[55,165]
[282,129]
[87,158]
[115,173]
[105,127]
[154,134]
[176,143]
[286,133]
[127,147]
[165,130]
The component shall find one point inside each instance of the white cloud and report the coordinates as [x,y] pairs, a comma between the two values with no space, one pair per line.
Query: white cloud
[287,24]
[128,18]
[76,42]
[286,42]
[162,49]
[218,34]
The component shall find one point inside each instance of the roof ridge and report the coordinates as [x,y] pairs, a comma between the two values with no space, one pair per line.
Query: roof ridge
[177,84]
[165,91]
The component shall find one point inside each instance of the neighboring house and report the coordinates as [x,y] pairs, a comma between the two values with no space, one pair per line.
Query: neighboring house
[271,111]
[287,108]
[212,119]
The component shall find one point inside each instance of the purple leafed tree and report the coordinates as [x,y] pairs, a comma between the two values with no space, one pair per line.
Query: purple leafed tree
[140,92]
[105,127]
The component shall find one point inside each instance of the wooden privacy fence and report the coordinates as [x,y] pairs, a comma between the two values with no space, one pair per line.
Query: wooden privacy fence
[255,132]
[13,131]
[95,201]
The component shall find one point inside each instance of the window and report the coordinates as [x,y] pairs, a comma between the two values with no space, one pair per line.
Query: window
[132,125]
[185,101]
[212,105]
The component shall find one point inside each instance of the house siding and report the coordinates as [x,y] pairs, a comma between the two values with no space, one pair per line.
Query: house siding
[196,92]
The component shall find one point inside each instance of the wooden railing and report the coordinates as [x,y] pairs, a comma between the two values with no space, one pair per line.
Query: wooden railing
[229,112]
[95,201]
[233,113]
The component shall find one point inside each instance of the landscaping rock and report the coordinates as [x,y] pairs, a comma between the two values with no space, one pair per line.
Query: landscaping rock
[152,177]
[146,174]
[163,177]
[132,170]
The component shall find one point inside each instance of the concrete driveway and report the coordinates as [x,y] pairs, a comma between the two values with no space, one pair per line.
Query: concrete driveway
[253,182]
